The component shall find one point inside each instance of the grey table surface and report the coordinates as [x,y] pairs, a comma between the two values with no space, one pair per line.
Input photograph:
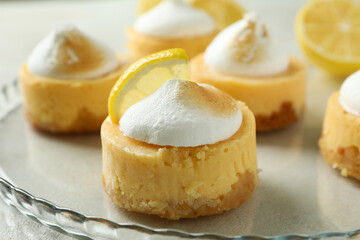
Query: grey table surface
[24,23]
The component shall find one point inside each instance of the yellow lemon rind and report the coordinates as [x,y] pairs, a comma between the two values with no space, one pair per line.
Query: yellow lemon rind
[123,84]
[333,64]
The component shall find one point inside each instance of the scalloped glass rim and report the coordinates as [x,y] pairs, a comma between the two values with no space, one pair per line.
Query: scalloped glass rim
[75,224]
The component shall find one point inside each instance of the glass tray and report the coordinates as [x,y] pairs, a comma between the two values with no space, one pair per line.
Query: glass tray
[299,196]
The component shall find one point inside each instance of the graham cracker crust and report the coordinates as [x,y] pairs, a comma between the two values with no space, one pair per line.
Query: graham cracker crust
[86,122]
[284,117]
[239,193]
[347,160]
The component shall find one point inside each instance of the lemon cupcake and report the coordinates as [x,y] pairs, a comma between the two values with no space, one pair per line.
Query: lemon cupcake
[172,23]
[340,139]
[66,81]
[184,151]
[244,61]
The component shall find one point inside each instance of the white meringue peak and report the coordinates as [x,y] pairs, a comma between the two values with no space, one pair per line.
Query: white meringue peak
[349,96]
[175,18]
[245,48]
[67,53]
[183,114]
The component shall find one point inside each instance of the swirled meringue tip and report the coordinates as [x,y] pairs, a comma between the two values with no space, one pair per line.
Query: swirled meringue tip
[182,114]
[246,48]
[349,96]
[175,18]
[68,53]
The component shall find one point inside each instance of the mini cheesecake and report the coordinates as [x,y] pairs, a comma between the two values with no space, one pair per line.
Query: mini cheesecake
[64,106]
[276,101]
[340,139]
[244,61]
[185,150]
[171,24]
[66,81]
[180,182]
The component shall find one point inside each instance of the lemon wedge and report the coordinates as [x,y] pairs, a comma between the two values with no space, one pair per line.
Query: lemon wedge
[145,76]
[225,12]
[329,34]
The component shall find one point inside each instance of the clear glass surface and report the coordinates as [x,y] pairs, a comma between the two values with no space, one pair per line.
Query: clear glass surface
[298,193]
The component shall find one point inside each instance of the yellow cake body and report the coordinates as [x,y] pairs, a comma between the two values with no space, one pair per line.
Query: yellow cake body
[141,45]
[276,101]
[65,105]
[340,139]
[180,182]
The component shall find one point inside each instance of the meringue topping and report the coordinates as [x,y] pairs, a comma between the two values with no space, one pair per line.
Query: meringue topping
[68,53]
[245,48]
[349,96]
[175,18]
[183,114]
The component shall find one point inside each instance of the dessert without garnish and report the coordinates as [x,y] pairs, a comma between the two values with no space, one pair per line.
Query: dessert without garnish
[66,81]
[340,139]
[244,61]
[183,151]
[172,23]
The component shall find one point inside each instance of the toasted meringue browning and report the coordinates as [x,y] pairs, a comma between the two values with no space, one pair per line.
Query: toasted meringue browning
[77,55]
[246,49]
[182,114]
[244,44]
[206,98]
[67,53]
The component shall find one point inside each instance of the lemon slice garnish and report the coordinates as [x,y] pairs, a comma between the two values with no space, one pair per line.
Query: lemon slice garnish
[145,76]
[329,34]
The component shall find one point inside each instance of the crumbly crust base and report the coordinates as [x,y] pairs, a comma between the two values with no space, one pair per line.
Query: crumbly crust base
[285,116]
[347,160]
[86,122]
[240,192]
